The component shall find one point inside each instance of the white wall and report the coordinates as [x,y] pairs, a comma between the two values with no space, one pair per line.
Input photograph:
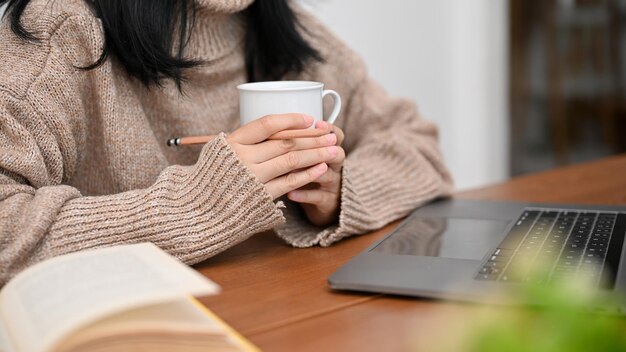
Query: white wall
[447,55]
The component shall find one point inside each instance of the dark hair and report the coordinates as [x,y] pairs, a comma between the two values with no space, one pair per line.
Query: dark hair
[143,35]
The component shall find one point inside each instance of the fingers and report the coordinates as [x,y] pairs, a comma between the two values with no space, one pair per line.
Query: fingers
[313,196]
[340,135]
[271,149]
[287,183]
[303,133]
[295,160]
[334,129]
[336,163]
[329,179]
[260,129]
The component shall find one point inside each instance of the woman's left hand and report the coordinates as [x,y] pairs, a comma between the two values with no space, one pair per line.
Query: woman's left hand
[321,199]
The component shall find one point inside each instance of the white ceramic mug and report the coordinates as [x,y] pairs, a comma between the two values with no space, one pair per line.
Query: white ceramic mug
[281,97]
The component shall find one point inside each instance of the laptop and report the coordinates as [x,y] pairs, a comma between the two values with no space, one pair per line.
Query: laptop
[475,250]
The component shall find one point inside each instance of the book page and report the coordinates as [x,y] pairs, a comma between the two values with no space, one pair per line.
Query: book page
[50,299]
[179,317]
[183,318]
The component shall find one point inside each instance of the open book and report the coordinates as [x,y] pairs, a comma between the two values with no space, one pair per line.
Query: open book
[124,298]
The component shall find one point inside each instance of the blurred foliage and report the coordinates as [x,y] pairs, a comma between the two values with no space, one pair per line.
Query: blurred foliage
[564,320]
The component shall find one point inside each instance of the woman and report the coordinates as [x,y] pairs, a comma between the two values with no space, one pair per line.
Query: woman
[91,89]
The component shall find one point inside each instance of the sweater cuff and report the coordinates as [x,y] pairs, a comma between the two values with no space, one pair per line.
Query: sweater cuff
[192,212]
[369,201]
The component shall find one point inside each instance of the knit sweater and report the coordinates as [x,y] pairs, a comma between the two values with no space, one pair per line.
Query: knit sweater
[84,164]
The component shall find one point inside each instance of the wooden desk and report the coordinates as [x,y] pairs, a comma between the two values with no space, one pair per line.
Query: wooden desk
[277,296]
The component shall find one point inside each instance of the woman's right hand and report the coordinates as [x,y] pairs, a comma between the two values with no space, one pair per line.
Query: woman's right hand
[283,165]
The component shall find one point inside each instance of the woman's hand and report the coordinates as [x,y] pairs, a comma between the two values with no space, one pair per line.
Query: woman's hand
[283,165]
[321,199]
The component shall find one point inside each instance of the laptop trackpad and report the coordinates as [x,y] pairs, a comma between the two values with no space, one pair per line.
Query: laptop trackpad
[444,237]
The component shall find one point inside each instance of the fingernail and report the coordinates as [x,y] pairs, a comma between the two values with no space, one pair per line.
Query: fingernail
[293,195]
[331,138]
[322,125]
[308,120]
[320,169]
[333,151]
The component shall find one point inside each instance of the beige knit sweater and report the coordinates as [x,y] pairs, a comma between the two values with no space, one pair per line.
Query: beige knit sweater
[83,160]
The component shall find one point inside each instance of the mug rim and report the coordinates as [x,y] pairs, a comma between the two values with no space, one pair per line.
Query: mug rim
[277,86]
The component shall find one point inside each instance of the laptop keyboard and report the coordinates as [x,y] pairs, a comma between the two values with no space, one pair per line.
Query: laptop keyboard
[545,245]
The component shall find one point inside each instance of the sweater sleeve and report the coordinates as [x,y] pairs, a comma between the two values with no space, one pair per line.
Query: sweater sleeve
[192,212]
[393,163]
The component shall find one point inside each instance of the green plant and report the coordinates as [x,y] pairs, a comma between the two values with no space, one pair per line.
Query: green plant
[563,321]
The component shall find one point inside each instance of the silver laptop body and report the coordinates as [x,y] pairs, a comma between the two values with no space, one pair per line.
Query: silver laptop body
[463,250]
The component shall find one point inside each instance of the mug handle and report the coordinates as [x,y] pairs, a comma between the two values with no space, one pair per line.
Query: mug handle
[337,99]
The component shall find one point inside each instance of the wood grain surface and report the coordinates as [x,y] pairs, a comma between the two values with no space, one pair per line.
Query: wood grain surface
[277,296]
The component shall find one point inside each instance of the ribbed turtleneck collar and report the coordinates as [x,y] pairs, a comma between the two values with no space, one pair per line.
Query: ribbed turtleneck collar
[217,30]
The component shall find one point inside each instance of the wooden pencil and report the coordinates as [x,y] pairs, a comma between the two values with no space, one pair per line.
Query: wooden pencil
[287,134]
